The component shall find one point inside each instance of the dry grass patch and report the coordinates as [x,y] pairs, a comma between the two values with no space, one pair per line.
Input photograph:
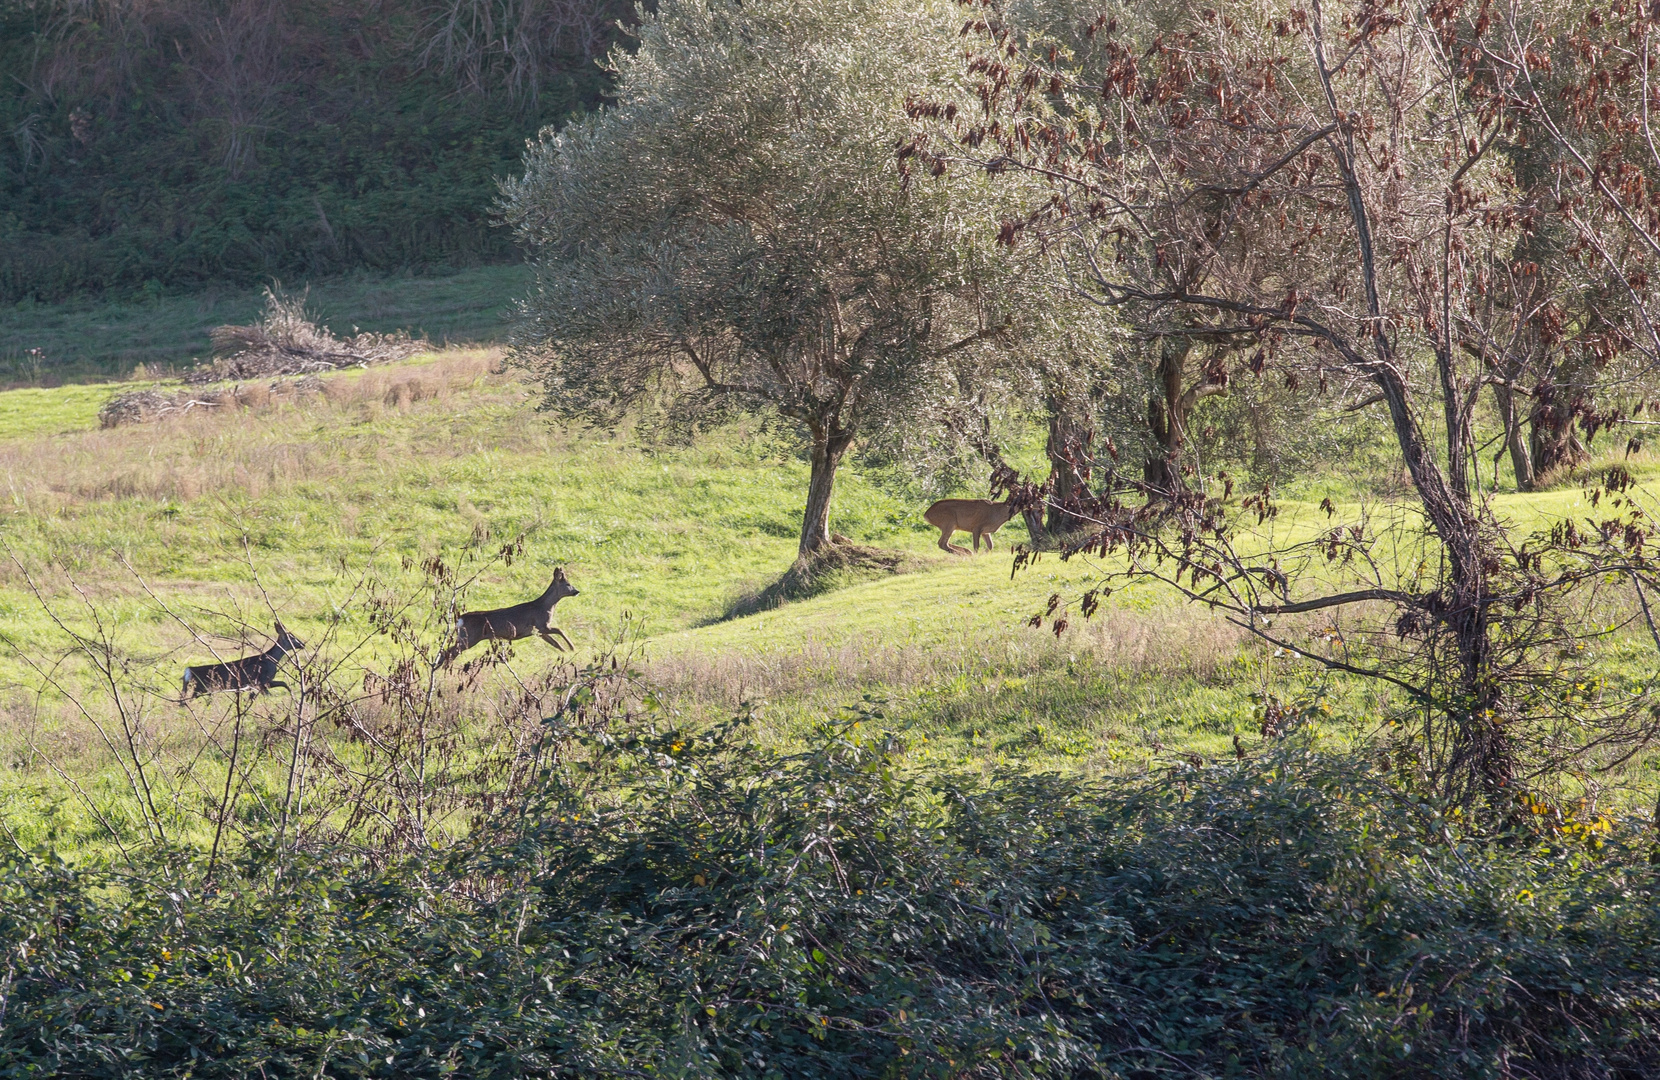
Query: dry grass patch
[1172,643]
[243,438]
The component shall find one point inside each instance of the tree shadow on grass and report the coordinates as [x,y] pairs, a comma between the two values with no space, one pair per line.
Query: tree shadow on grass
[838,566]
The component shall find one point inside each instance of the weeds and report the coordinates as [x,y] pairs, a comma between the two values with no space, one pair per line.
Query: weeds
[670,901]
[372,750]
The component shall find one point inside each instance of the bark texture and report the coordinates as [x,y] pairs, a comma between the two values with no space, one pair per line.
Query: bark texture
[829,444]
[1071,439]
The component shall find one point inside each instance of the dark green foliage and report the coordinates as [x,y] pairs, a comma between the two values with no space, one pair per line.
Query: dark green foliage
[148,150]
[691,905]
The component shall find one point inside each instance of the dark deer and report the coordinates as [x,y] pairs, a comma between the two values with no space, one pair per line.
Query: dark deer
[513,623]
[256,673]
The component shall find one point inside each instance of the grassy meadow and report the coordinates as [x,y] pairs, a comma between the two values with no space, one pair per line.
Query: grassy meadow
[182,540]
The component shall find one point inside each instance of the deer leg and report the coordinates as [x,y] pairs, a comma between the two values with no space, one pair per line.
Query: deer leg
[272,685]
[988,541]
[945,539]
[548,637]
[976,543]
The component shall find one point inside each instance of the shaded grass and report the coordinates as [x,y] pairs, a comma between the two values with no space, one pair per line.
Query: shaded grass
[93,339]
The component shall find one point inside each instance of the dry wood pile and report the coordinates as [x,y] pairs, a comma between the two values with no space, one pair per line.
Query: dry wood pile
[146,406]
[286,341]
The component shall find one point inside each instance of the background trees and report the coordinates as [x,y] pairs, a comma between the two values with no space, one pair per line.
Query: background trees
[1416,219]
[178,143]
[738,234]
[1326,190]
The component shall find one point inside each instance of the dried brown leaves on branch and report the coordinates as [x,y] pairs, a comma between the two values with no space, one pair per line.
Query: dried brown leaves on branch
[1374,197]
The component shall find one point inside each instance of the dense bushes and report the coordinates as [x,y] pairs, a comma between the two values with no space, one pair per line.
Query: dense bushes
[689,905]
[157,145]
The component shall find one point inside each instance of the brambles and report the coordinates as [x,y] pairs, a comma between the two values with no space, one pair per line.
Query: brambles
[828,912]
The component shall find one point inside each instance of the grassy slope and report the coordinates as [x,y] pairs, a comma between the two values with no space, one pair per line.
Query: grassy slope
[99,338]
[441,457]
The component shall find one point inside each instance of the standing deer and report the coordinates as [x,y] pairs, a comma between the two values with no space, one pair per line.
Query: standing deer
[978,516]
[257,673]
[512,623]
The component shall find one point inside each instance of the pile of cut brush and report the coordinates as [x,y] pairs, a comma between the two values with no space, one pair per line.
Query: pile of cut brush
[146,406]
[286,341]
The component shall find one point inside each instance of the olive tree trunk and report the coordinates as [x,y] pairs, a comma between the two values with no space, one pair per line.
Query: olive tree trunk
[1168,408]
[829,444]
[1515,439]
[1070,436]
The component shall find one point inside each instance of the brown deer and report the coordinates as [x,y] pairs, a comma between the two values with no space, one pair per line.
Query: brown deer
[512,623]
[257,673]
[981,517]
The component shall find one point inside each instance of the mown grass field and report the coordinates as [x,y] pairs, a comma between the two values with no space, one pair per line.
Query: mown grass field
[215,522]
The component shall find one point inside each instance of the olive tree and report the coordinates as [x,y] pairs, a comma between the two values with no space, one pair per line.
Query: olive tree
[745,229]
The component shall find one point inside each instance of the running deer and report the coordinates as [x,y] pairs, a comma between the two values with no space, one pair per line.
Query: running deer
[257,673]
[512,623]
[980,517]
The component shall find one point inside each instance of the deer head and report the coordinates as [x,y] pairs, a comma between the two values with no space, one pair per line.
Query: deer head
[287,642]
[559,588]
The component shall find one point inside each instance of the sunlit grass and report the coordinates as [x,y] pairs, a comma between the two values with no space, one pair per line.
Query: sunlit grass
[296,503]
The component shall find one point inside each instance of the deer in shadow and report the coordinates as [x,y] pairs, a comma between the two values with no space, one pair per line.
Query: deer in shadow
[980,517]
[513,623]
[256,674]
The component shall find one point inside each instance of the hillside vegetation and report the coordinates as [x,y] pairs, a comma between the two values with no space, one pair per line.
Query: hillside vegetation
[161,146]
[1302,723]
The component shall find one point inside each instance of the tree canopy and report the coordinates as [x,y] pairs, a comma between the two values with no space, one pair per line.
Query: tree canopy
[743,231]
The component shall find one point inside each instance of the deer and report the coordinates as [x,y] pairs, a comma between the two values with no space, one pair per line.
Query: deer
[256,674]
[981,517]
[513,623]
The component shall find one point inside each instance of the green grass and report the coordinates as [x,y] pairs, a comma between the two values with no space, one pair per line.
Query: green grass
[297,503]
[211,514]
[94,339]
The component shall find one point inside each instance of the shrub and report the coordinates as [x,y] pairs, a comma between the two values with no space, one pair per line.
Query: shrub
[687,904]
